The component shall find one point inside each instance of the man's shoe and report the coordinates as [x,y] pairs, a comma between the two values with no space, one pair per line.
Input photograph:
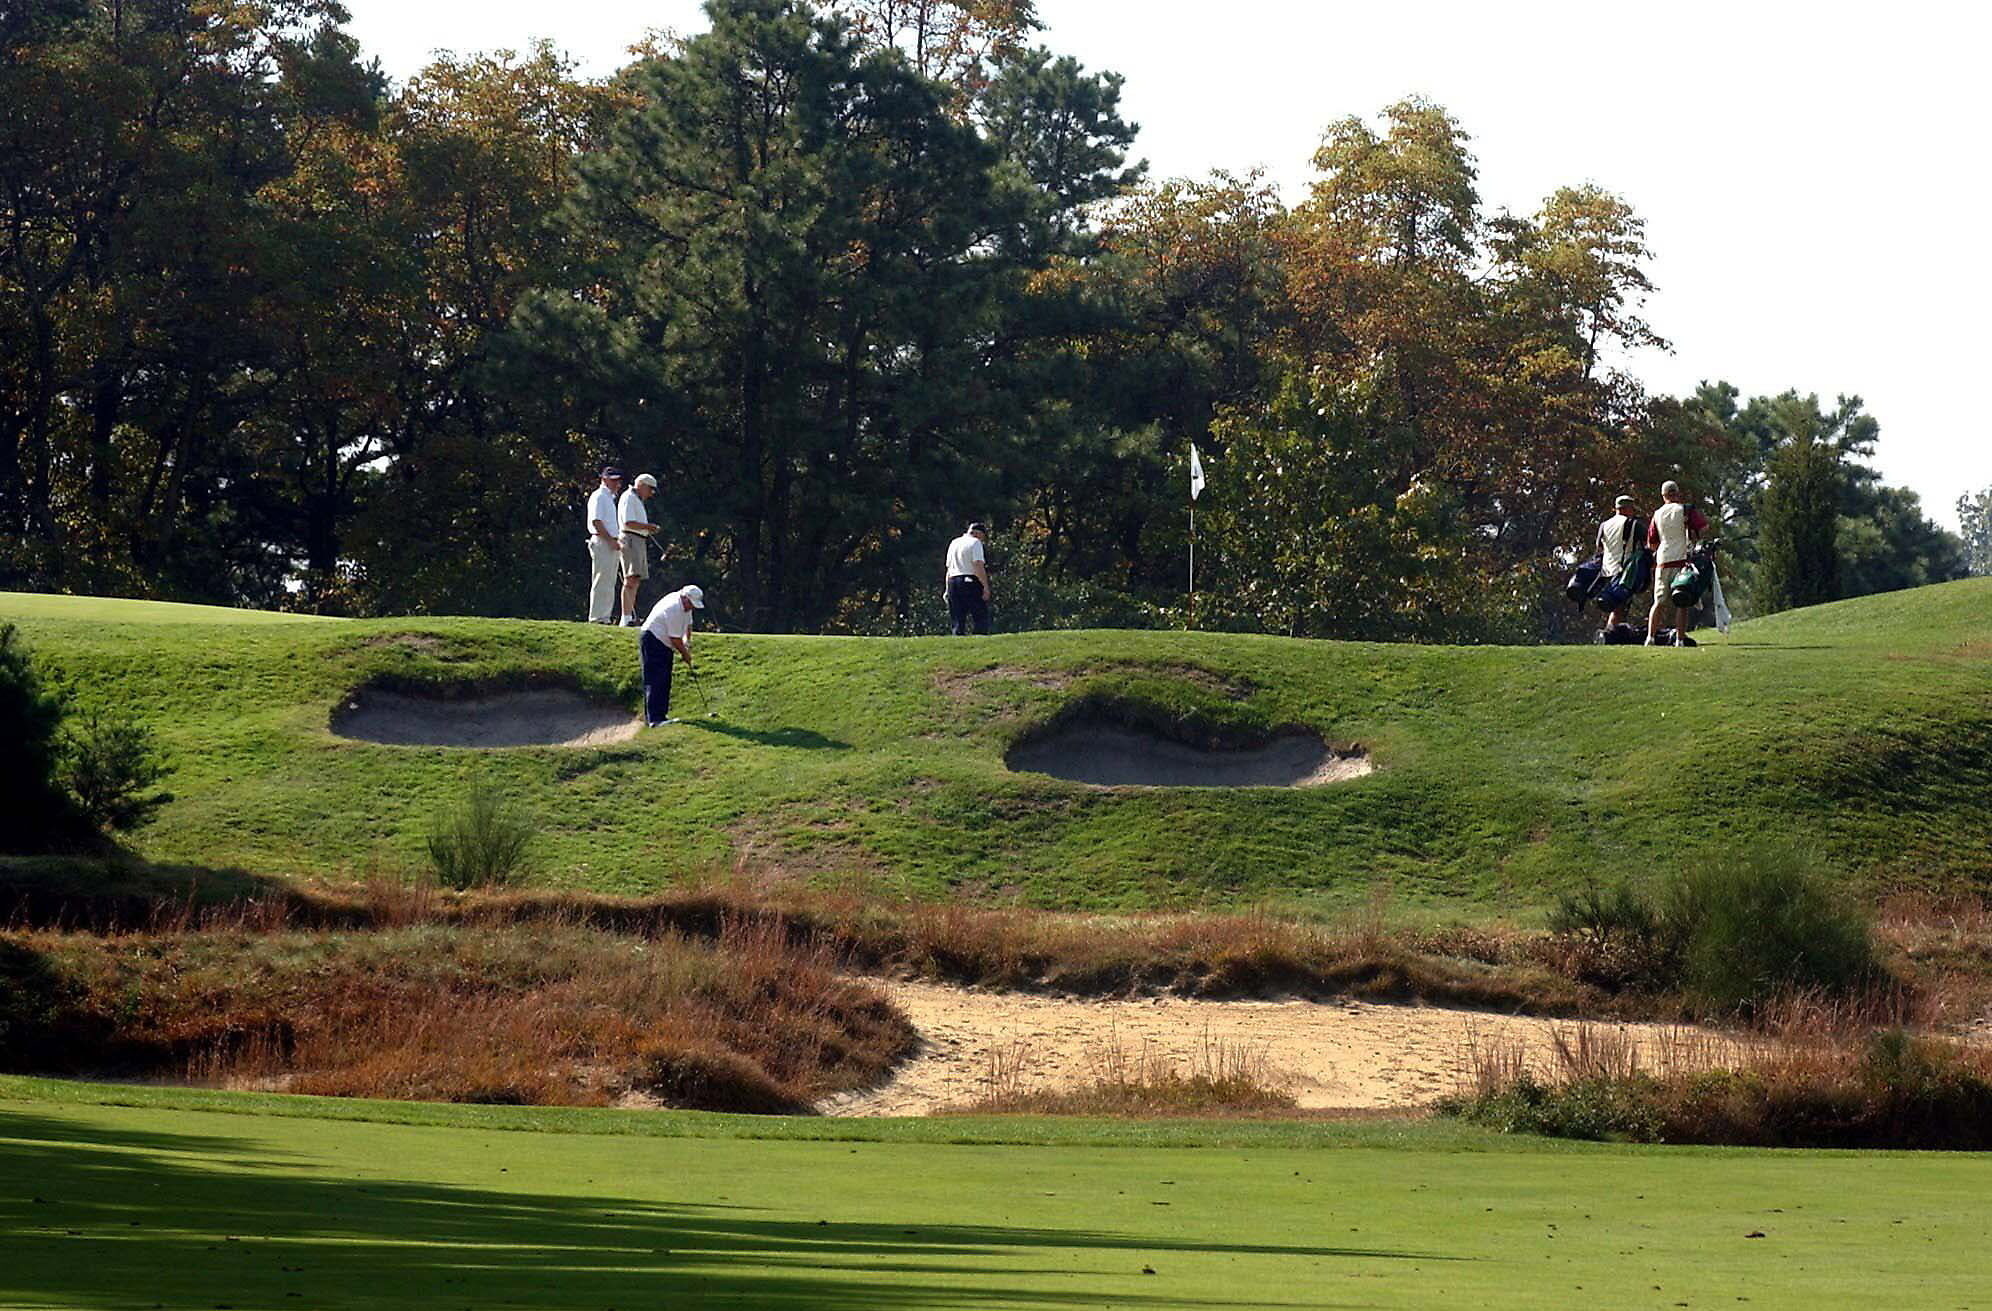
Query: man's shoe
[660,723]
[629,622]
[1652,641]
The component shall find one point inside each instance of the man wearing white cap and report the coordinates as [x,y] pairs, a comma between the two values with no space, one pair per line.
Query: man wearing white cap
[637,531]
[604,547]
[668,628]
[1677,526]
[1616,543]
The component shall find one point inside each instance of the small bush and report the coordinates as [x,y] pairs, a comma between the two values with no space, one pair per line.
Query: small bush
[483,842]
[1617,934]
[1732,932]
[1752,926]
[109,764]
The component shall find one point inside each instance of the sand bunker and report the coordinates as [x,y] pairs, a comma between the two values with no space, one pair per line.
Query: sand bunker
[1117,757]
[1339,1054]
[552,717]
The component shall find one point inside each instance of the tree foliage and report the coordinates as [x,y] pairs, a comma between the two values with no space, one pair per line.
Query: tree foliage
[843,273]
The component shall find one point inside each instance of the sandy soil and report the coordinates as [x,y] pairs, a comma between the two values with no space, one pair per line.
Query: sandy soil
[1327,1054]
[1115,757]
[552,717]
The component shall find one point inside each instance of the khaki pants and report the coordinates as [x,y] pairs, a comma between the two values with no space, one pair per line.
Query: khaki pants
[603,561]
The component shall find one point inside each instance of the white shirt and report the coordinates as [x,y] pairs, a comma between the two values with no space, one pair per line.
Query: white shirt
[1615,545]
[1670,522]
[669,618]
[602,505]
[630,508]
[964,553]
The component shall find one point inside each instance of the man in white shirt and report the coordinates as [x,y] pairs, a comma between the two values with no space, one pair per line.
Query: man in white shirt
[1615,547]
[1677,526]
[604,547]
[668,628]
[967,586]
[637,530]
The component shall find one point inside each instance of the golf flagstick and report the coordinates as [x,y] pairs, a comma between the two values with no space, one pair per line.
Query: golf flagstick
[1196,489]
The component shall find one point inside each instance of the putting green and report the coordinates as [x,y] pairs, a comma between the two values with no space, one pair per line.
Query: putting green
[107,1206]
[118,610]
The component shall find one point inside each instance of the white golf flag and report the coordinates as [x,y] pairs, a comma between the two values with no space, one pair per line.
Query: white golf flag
[1196,473]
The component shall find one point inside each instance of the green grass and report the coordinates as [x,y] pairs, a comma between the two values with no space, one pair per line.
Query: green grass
[1861,731]
[160,1203]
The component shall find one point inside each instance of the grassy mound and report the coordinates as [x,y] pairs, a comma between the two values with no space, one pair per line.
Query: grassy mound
[1862,731]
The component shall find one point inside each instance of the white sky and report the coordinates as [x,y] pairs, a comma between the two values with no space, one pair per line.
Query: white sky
[1813,175]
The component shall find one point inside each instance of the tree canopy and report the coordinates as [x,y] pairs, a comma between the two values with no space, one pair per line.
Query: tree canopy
[843,275]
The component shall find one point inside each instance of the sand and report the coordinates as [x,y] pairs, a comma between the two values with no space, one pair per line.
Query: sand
[552,717]
[1337,1054]
[1116,757]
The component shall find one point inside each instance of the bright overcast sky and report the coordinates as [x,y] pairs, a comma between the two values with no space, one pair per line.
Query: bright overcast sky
[1812,174]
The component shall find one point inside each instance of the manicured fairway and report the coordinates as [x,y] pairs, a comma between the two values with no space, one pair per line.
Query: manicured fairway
[108,1206]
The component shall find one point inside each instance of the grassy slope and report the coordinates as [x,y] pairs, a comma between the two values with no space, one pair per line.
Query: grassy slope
[108,1206]
[1863,730]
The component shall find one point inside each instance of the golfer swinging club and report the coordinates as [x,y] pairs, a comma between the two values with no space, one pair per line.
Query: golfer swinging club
[668,627]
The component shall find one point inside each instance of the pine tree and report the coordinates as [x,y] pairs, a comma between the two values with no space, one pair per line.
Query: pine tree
[1798,527]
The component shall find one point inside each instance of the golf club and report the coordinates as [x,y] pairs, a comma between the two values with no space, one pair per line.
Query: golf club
[704,700]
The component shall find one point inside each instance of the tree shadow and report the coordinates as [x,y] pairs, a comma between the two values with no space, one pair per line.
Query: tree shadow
[100,1217]
[803,738]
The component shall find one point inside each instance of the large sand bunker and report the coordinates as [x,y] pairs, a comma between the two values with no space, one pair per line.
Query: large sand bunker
[1106,756]
[1334,1054]
[550,717]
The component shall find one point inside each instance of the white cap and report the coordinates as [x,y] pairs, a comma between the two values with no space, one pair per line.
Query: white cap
[695,594]
[645,480]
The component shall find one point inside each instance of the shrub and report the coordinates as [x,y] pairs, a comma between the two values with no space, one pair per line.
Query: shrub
[1732,932]
[35,813]
[482,842]
[109,762]
[1617,934]
[1753,925]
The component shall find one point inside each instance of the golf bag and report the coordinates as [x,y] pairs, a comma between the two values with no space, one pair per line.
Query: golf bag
[1685,588]
[1632,580]
[1583,582]
[1622,635]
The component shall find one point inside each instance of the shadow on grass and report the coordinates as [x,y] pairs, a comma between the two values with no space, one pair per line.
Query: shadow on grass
[803,738]
[97,1217]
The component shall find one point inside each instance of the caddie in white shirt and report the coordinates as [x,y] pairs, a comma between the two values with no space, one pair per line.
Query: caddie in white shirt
[967,586]
[668,628]
[637,530]
[604,547]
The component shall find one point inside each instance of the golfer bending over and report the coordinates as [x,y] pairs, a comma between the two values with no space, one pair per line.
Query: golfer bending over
[668,628]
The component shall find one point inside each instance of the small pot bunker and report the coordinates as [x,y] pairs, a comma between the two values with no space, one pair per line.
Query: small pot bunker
[468,716]
[1105,754]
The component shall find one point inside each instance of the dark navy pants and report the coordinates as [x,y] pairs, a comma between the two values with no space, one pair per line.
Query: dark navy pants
[965,603]
[657,659]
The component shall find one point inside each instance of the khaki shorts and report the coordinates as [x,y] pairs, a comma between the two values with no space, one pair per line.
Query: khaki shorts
[635,556]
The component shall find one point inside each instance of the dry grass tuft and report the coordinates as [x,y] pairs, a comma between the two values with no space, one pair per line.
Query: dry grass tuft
[1221,1077]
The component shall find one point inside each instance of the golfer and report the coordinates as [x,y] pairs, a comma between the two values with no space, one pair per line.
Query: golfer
[604,547]
[637,530]
[967,587]
[1676,528]
[1615,547]
[668,628]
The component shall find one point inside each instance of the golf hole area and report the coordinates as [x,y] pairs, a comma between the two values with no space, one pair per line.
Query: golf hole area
[1109,755]
[535,717]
